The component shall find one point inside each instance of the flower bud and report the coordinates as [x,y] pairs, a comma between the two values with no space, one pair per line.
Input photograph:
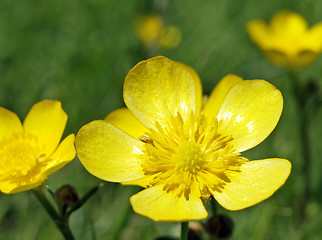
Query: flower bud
[66,196]
[311,87]
[195,230]
[220,226]
[194,235]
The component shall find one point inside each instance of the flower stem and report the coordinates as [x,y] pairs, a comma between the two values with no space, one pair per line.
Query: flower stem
[84,199]
[60,221]
[213,203]
[184,231]
[301,100]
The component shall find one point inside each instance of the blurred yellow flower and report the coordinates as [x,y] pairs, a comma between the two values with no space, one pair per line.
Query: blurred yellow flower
[149,28]
[30,152]
[181,153]
[152,31]
[287,40]
[170,37]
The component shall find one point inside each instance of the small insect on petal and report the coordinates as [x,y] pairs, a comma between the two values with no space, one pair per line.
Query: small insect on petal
[146,139]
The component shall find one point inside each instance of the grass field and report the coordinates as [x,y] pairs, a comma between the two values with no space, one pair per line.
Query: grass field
[79,52]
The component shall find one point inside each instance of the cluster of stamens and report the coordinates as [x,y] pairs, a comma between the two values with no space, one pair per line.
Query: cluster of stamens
[189,155]
[18,155]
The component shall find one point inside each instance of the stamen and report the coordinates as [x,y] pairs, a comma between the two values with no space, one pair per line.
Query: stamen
[190,152]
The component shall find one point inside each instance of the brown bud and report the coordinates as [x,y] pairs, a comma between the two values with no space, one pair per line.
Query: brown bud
[220,226]
[194,235]
[66,195]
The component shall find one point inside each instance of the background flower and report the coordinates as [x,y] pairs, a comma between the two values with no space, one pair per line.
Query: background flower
[287,40]
[154,32]
[30,152]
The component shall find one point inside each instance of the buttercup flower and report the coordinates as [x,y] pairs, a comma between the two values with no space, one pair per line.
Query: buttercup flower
[180,152]
[148,28]
[30,152]
[287,40]
[152,31]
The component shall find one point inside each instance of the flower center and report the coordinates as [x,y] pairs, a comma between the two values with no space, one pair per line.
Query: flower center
[190,154]
[190,157]
[17,155]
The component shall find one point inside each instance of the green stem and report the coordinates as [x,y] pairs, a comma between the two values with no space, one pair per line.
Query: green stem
[213,203]
[61,222]
[184,231]
[120,222]
[301,99]
[84,199]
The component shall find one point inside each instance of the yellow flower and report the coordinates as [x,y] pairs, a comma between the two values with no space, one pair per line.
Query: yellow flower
[152,31]
[30,152]
[170,37]
[148,28]
[287,40]
[181,153]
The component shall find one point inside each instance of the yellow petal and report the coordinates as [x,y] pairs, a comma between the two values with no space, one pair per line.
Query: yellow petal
[12,186]
[143,182]
[256,181]
[257,30]
[157,88]
[218,94]
[314,40]
[159,205]
[288,32]
[46,120]
[124,119]
[305,58]
[279,57]
[288,23]
[63,155]
[249,113]
[9,123]
[109,153]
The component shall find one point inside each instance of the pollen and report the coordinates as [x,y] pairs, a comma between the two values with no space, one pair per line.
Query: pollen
[191,154]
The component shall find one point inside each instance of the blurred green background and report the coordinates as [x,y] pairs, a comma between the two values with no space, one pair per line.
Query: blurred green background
[79,52]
